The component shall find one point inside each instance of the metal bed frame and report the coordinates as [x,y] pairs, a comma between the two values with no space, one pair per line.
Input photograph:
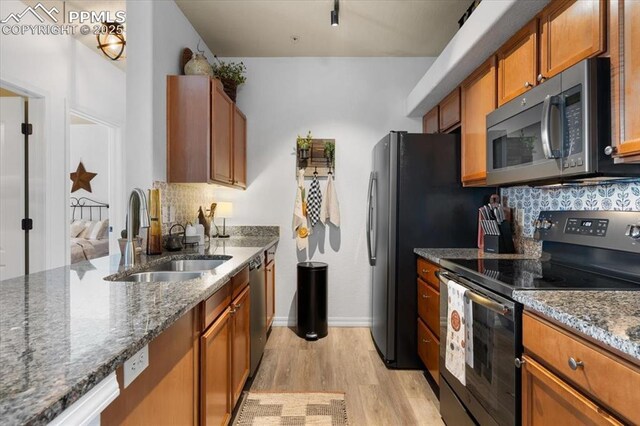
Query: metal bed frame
[87,204]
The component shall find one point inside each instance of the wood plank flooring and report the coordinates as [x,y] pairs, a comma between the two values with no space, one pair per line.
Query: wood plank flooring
[346,361]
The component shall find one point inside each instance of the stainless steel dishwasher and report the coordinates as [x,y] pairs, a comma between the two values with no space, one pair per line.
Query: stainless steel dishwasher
[258,311]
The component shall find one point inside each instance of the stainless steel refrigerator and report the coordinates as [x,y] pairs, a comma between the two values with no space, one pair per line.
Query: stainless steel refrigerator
[415,199]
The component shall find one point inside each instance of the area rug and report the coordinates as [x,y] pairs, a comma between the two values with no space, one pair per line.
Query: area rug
[292,409]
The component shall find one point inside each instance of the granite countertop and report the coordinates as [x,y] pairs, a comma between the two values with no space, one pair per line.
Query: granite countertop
[609,317]
[436,254]
[64,330]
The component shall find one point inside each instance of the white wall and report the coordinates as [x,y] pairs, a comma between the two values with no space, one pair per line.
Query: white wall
[66,75]
[89,144]
[157,32]
[354,100]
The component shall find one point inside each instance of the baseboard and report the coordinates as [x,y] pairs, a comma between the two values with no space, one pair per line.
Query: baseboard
[333,322]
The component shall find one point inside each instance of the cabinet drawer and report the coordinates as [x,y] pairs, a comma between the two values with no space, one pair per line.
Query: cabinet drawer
[609,380]
[239,281]
[429,306]
[427,271]
[215,305]
[428,350]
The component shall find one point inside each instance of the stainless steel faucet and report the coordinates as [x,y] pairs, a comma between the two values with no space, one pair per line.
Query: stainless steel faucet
[130,250]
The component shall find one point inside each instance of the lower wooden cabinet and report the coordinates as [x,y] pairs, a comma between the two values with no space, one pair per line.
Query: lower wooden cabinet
[429,306]
[240,343]
[548,400]
[429,350]
[270,283]
[215,370]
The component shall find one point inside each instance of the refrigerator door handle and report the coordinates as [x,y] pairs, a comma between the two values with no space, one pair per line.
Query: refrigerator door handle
[369,221]
[374,221]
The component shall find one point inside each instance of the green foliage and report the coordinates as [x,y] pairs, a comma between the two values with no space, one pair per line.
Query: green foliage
[229,71]
[304,143]
[329,150]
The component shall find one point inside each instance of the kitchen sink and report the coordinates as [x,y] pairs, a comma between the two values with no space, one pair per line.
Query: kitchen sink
[148,277]
[190,265]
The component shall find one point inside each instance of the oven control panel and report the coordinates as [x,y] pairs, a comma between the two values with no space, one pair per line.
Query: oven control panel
[590,227]
[617,230]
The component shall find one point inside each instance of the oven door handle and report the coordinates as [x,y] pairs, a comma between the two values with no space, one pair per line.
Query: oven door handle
[544,127]
[492,305]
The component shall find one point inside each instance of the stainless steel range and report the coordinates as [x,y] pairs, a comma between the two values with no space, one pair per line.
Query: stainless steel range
[587,250]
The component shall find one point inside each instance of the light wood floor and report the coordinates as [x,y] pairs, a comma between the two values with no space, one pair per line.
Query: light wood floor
[346,361]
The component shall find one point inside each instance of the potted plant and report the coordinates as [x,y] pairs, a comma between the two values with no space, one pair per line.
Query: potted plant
[329,152]
[232,74]
[304,145]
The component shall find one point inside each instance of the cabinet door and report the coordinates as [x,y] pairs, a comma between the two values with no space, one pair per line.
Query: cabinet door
[518,63]
[221,135]
[429,307]
[239,148]
[215,368]
[449,111]
[624,45]
[430,121]
[188,128]
[570,31]
[547,400]
[270,284]
[240,341]
[478,99]
[429,350]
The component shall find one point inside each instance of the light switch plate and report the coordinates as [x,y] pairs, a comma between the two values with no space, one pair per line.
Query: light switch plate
[136,365]
[520,216]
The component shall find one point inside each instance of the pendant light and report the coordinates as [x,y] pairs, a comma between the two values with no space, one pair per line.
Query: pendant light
[111,40]
[334,13]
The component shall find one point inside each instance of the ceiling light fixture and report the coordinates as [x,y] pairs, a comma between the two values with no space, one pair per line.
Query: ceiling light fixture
[111,40]
[334,13]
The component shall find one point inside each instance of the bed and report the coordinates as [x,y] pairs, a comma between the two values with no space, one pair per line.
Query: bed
[89,230]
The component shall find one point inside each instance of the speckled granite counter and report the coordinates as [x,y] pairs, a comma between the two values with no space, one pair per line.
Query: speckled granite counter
[435,254]
[62,331]
[610,317]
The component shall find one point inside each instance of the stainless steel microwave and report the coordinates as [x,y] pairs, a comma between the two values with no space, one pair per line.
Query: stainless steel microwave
[555,132]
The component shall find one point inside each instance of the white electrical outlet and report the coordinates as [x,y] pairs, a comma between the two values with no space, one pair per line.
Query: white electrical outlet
[172,215]
[136,365]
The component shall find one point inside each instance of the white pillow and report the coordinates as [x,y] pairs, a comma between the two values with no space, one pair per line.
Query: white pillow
[88,226]
[98,230]
[76,228]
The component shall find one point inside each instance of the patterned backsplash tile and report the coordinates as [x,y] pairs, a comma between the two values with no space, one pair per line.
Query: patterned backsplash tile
[183,200]
[613,196]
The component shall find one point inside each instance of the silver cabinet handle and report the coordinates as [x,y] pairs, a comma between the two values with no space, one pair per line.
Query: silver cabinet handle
[425,271]
[426,341]
[519,362]
[574,365]
[425,296]
[541,78]
[527,84]
[609,150]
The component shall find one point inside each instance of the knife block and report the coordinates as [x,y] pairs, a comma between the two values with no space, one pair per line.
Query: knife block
[502,243]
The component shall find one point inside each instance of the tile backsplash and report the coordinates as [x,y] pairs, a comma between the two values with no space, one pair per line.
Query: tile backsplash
[613,196]
[183,201]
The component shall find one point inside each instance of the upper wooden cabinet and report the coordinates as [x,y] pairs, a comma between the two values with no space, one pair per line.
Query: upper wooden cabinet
[570,31]
[239,148]
[205,130]
[624,45]
[449,116]
[430,121]
[478,99]
[518,63]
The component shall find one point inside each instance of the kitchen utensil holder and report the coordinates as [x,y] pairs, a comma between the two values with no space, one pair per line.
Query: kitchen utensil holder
[502,243]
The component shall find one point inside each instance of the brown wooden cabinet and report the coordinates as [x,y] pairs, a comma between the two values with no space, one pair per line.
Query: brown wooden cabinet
[240,343]
[429,350]
[222,135]
[624,45]
[206,133]
[270,293]
[449,115]
[239,148]
[429,316]
[548,400]
[518,63]
[430,121]
[570,31]
[478,99]
[215,382]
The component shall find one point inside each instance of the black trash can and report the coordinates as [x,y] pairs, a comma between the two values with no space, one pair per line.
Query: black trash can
[312,300]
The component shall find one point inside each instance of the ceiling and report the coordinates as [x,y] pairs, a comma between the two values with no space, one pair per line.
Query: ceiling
[250,28]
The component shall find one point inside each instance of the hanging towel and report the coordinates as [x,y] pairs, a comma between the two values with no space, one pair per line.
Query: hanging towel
[455,352]
[299,224]
[330,210]
[314,202]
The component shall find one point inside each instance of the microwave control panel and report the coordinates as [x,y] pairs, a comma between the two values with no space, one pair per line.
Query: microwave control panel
[591,227]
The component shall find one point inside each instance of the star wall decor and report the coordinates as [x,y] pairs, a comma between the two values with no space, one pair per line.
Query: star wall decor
[81,178]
